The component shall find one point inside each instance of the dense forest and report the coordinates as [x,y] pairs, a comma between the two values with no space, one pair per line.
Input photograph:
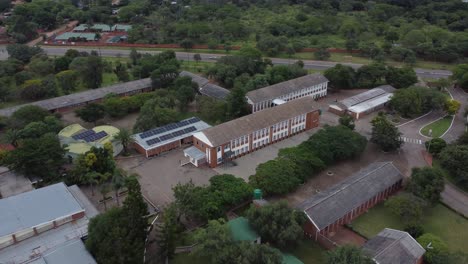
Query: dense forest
[399,29]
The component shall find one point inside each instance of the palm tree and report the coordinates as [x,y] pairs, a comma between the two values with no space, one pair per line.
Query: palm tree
[91,178]
[104,189]
[118,181]
[125,138]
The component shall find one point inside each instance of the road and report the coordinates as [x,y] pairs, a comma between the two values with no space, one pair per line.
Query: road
[308,64]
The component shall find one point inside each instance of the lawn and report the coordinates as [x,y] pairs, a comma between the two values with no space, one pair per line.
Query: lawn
[438,127]
[309,252]
[439,220]
[109,79]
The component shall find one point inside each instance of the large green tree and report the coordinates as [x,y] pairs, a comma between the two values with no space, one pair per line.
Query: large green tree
[385,134]
[400,77]
[341,77]
[348,254]
[453,159]
[91,112]
[415,101]
[426,183]
[407,206]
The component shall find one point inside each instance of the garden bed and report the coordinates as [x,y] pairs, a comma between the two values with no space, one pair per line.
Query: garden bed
[438,127]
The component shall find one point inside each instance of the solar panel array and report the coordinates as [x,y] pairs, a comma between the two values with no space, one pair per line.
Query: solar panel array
[169,127]
[83,134]
[168,136]
[95,136]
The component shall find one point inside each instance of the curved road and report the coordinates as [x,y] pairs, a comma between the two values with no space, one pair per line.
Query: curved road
[308,64]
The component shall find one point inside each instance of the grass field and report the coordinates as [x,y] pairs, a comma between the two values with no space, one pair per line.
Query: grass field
[438,127]
[309,252]
[440,221]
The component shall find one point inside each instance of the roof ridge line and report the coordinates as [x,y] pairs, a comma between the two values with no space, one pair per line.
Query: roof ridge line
[391,244]
[341,189]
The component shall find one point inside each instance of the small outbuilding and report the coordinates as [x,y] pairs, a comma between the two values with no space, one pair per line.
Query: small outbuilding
[392,246]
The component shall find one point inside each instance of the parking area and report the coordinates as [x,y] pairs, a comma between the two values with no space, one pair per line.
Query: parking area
[159,174]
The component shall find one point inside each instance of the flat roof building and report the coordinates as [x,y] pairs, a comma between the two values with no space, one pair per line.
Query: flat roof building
[394,246]
[161,139]
[75,36]
[36,223]
[340,204]
[313,85]
[246,134]
[363,103]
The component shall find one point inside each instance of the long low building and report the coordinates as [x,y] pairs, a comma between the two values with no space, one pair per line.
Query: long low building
[161,139]
[313,85]
[392,246]
[338,205]
[364,103]
[238,137]
[206,88]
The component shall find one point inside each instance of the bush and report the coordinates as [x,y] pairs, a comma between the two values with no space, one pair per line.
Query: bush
[435,146]
[406,206]
[433,245]
[415,230]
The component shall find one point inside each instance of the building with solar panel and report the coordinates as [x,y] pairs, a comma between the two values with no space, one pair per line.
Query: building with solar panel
[249,133]
[80,140]
[161,139]
[364,103]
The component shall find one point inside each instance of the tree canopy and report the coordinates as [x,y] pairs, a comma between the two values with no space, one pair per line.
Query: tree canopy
[426,183]
[385,134]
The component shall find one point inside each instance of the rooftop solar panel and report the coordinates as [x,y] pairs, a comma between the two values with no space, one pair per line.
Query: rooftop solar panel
[83,134]
[184,123]
[178,133]
[166,137]
[190,129]
[153,141]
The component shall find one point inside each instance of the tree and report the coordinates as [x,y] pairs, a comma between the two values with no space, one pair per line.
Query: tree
[26,115]
[369,76]
[460,75]
[23,52]
[214,242]
[347,121]
[400,77]
[37,89]
[347,254]
[406,206]
[434,247]
[90,69]
[322,53]
[453,159]
[385,134]
[277,223]
[124,137]
[435,146]
[91,113]
[186,44]
[414,101]
[426,183]
[67,80]
[185,94]
[164,75]
[118,182]
[276,177]
[341,77]
[167,232]
[134,56]
[197,58]
[152,115]
[41,157]
[121,72]
[236,104]
[104,190]
[452,106]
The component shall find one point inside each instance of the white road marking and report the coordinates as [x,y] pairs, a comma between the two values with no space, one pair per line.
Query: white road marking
[412,140]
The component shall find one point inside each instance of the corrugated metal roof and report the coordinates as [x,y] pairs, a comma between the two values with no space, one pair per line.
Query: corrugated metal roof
[207,88]
[236,128]
[36,207]
[73,252]
[333,203]
[393,246]
[284,88]
[365,96]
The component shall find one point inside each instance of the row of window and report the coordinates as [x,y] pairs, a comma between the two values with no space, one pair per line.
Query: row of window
[304,92]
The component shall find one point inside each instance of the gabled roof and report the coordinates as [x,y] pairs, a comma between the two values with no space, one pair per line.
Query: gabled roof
[207,88]
[276,90]
[241,230]
[333,203]
[236,128]
[394,246]
[383,90]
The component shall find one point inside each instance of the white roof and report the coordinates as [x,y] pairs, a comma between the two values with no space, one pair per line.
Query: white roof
[36,207]
[73,252]
[364,106]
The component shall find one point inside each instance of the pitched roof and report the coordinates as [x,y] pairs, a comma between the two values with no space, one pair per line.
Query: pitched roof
[207,88]
[393,246]
[333,203]
[276,90]
[236,128]
[365,96]
[241,230]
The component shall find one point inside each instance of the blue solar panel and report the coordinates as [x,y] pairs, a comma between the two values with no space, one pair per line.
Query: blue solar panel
[83,134]
[153,141]
[166,137]
[184,123]
[190,129]
[178,133]
[193,120]
[169,127]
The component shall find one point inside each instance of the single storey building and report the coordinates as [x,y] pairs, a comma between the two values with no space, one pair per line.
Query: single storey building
[313,85]
[206,88]
[161,139]
[338,205]
[394,246]
[249,133]
[364,103]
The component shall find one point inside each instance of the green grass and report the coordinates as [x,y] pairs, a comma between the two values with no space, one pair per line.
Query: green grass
[438,127]
[109,79]
[439,220]
[309,252]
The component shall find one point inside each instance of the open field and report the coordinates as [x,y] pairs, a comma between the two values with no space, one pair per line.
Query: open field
[438,127]
[439,220]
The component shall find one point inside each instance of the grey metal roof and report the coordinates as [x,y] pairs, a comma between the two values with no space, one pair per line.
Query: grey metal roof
[284,88]
[393,246]
[141,140]
[333,203]
[194,153]
[83,97]
[365,96]
[36,207]
[207,88]
[73,252]
[245,125]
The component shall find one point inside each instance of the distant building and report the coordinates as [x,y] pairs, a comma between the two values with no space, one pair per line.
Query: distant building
[45,226]
[249,133]
[392,246]
[338,205]
[206,88]
[80,140]
[75,36]
[364,103]
[161,139]
[313,85]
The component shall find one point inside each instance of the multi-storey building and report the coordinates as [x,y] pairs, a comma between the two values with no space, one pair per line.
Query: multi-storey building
[312,85]
[246,134]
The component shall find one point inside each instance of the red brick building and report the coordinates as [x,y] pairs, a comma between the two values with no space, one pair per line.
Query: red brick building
[249,133]
[394,246]
[338,205]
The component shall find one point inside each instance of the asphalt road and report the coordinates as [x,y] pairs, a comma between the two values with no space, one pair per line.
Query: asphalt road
[308,64]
